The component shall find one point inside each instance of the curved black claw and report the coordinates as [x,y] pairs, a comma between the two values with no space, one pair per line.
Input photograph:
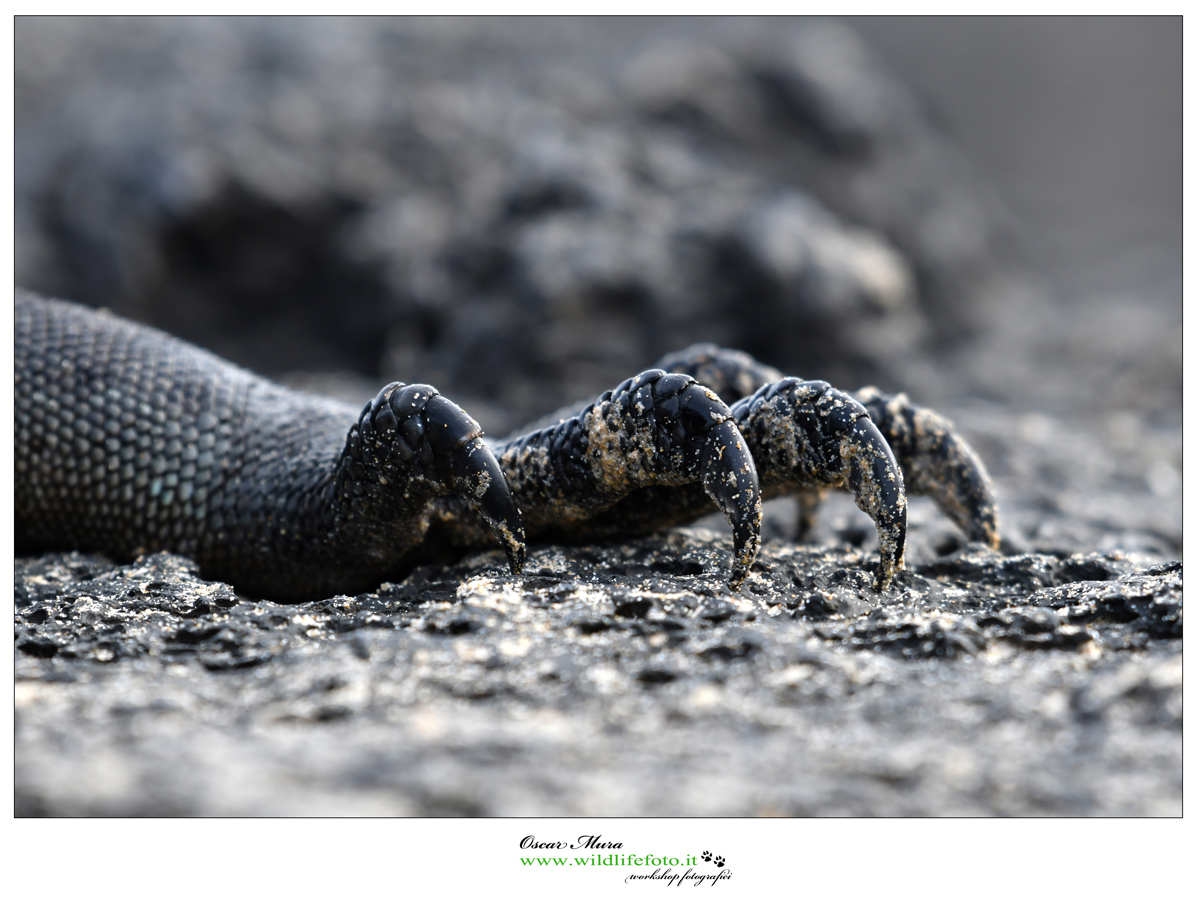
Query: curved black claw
[731,480]
[806,434]
[596,474]
[410,445]
[937,463]
[477,476]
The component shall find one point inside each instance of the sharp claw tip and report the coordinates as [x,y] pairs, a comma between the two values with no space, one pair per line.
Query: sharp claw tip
[885,575]
[737,577]
[516,559]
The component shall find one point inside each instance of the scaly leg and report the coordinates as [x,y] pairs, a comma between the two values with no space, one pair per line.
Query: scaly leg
[130,441]
[641,457]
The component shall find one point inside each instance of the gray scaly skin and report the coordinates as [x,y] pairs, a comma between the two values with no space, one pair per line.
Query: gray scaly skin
[129,440]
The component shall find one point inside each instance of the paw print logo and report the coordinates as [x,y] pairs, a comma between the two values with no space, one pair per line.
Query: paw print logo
[719,862]
[706,856]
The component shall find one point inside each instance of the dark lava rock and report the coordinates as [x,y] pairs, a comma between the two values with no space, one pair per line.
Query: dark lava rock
[517,694]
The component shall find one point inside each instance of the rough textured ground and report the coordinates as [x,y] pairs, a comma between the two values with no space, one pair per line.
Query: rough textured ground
[609,681]
[526,219]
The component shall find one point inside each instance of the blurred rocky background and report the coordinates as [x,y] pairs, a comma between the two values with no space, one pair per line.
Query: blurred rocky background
[519,211]
[986,213]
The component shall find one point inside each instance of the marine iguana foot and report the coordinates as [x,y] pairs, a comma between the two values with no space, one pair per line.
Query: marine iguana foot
[935,460]
[618,466]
